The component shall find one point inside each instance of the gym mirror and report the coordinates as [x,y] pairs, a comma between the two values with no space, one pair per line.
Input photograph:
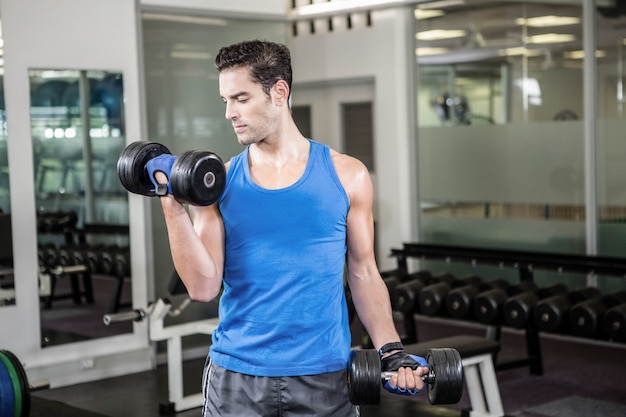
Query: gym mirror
[7,290]
[77,128]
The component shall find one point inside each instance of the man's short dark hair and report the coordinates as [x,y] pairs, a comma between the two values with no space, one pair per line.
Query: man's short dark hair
[267,61]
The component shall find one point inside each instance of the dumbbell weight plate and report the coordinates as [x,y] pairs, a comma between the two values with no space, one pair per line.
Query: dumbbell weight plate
[364,377]
[131,166]
[198,177]
[446,387]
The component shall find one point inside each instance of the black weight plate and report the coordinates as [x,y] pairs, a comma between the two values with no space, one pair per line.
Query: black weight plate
[446,387]
[131,166]
[198,177]
[488,305]
[354,372]
[364,377]
[584,318]
[23,380]
[518,309]
[614,322]
[455,365]
[7,393]
[373,373]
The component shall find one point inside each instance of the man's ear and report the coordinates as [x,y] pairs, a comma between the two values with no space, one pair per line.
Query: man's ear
[280,92]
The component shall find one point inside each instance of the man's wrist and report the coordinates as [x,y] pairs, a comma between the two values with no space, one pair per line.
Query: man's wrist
[389,348]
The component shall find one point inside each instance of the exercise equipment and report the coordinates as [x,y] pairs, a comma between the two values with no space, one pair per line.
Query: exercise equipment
[550,314]
[615,322]
[585,317]
[197,177]
[131,166]
[444,381]
[488,305]
[460,300]
[432,298]
[518,309]
[156,314]
[404,298]
[14,387]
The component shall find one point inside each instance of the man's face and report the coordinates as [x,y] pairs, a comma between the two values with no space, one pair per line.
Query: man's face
[249,109]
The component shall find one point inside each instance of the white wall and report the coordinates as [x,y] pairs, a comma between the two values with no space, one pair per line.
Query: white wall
[382,52]
[74,34]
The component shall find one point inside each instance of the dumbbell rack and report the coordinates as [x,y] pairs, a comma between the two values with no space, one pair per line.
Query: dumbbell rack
[525,262]
[107,229]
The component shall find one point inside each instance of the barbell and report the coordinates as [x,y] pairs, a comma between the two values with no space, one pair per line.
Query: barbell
[197,177]
[444,381]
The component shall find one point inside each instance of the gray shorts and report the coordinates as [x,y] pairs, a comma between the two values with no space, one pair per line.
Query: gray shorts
[229,393]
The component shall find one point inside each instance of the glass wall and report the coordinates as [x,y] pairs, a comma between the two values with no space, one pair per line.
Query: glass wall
[184,107]
[501,133]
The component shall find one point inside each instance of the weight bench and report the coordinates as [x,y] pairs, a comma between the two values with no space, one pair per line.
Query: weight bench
[479,373]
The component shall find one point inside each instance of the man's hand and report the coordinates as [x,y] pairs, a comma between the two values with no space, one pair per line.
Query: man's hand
[409,371]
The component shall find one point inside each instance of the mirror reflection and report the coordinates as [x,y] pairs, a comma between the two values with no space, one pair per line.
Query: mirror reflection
[77,128]
[7,288]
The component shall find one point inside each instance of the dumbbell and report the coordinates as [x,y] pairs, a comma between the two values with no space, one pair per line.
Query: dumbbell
[615,322]
[122,262]
[518,309]
[460,300]
[585,317]
[488,305]
[444,381]
[48,255]
[107,259]
[404,298]
[432,298]
[550,314]
[197,177]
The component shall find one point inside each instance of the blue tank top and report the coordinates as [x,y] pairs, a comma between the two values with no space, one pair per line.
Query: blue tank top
[283,309]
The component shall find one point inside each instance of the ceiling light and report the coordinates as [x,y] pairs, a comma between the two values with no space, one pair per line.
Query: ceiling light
[520,50]
[342,6]
[190,55]
[547,21]
[438,34]
[184,19]
[581,54]
[426,51]
[441,4]
[550,38]
[427,14]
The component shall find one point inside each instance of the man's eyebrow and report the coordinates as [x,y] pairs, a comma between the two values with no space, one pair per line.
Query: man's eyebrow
[236,95]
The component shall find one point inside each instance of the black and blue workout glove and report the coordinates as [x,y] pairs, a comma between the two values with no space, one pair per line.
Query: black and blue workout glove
[399,360]
[162,163]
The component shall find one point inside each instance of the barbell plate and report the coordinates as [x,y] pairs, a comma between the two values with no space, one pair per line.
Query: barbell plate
[15,384]
[198,177]
[23,381]
[131,166]
[447,384]
[7,396]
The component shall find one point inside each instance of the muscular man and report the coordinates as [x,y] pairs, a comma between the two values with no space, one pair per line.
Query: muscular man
[294,213]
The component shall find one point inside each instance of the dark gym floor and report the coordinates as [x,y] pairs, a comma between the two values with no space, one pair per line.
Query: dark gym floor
[580,379]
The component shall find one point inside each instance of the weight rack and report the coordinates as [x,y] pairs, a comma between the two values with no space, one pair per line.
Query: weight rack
[525,262]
